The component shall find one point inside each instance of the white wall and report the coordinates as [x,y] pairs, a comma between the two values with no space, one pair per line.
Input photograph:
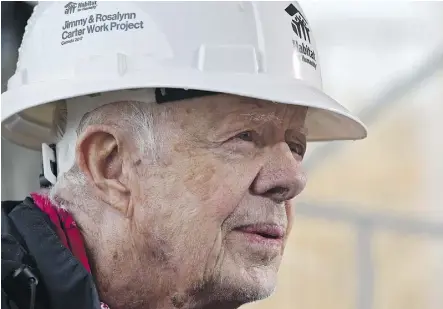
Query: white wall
[20,171]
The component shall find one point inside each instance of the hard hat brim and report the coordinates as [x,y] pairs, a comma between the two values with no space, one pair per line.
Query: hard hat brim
[326,120]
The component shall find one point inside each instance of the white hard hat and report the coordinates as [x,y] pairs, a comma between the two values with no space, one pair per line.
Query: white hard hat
[264,50]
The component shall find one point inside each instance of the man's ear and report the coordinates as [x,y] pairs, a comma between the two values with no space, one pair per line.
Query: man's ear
[100,157]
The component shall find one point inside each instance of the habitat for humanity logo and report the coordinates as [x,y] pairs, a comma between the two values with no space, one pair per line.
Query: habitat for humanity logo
[71,7]
[301,29]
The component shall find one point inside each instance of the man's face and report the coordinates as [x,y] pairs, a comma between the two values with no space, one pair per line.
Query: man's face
[211,216]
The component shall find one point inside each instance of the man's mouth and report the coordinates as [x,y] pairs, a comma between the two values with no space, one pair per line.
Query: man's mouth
[264,231]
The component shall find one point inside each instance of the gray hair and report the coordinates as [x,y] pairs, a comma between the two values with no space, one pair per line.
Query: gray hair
[135,118]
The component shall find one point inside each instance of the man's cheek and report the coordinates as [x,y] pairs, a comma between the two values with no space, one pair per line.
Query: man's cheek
[199,180]
[235,178]
[226,199]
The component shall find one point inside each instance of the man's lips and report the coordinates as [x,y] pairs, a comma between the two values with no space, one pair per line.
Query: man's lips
[265,230]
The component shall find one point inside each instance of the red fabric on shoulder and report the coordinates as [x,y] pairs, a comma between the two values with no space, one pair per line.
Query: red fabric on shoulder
[66,228]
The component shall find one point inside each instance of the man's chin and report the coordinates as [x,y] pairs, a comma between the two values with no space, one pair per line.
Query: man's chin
[256,283]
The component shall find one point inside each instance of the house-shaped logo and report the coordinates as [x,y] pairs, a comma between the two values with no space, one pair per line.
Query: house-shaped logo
[299,23]
[70,8]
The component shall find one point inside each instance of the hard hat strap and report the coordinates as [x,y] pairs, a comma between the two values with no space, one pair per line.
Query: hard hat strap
[164,95]
[48,176]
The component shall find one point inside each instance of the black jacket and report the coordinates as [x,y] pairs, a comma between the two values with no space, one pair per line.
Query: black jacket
[38,271]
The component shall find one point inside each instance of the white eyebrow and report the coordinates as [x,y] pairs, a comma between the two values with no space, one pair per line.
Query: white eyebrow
[272,118]
[262,117]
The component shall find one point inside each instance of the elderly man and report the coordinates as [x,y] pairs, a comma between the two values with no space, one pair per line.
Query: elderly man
[175,157]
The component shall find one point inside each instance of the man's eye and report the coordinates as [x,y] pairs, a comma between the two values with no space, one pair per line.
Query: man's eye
[247,136]
[297,148]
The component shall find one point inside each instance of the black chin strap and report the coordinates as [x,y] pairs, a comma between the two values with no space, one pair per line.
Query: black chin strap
[164,95]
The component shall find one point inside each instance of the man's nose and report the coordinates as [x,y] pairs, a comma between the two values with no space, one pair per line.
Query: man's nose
[281,178]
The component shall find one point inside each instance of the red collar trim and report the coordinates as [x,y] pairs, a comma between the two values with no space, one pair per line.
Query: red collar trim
[65,227]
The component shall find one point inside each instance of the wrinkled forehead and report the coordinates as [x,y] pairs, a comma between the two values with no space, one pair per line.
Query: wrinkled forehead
[224,107]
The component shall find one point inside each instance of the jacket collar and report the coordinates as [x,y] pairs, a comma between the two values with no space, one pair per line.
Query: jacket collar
[68,283]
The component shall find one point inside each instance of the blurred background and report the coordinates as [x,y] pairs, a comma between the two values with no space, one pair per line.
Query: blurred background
[369,227]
